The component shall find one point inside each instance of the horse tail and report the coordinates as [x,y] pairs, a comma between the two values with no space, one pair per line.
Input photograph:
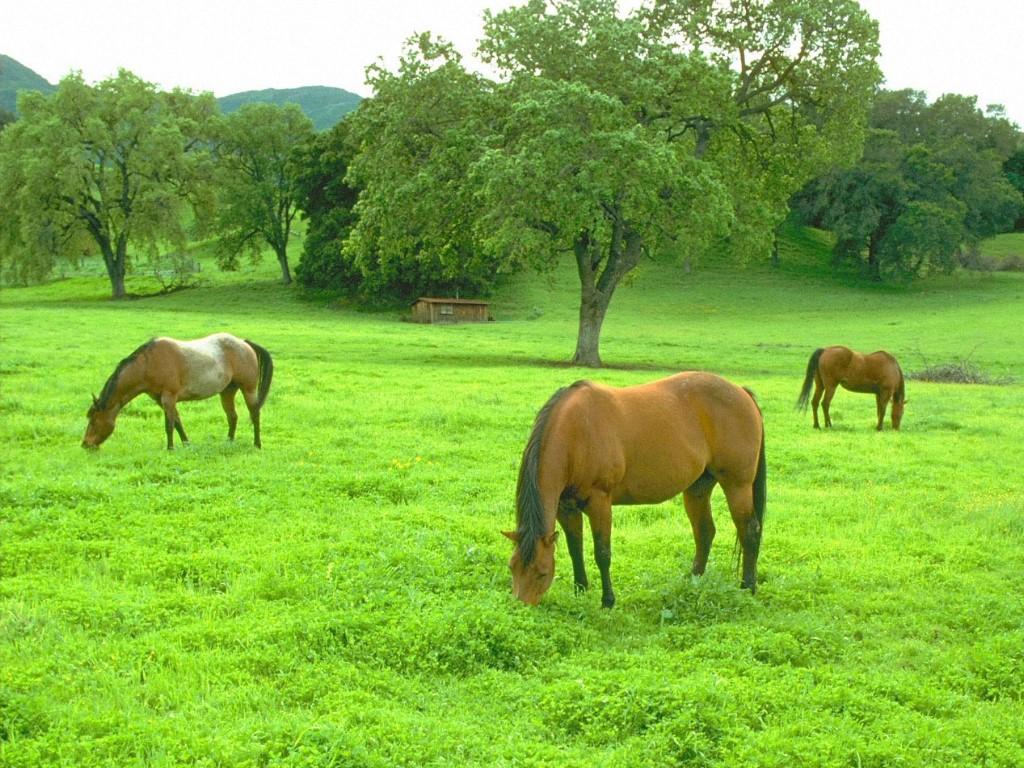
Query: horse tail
[266,366]
[812,368]
[761,483]
[529,505]
[761,476]
[901,390]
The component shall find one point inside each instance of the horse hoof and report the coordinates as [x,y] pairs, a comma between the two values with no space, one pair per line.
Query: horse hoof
[608,602]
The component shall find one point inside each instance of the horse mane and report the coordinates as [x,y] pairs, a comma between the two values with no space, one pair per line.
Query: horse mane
[529,508]
[103,401]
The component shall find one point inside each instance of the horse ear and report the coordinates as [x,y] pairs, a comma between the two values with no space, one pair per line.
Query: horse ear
[511,535]
[551,538]
[95,399]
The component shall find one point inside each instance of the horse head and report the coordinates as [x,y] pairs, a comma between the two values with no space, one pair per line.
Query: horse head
[101,424]
[532,577]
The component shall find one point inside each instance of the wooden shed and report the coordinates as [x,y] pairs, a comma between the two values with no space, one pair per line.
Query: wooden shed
[429,310]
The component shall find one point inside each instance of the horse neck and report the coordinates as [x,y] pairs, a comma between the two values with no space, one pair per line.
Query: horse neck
[128,386]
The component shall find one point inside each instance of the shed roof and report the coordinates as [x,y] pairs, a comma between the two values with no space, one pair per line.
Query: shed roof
[430,300]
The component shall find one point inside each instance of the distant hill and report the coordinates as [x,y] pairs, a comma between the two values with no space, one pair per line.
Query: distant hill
[324,105]
[15,77]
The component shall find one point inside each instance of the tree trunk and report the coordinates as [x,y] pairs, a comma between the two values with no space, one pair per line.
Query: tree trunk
[282,259]
[114,260]
[596,288]
[588,339]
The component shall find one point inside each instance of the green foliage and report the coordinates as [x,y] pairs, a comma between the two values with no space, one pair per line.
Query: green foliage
[259,199]
[342,597]
[324,105]
[1014,170]
[931,184]
[111,167]
[418,138]
[327,203]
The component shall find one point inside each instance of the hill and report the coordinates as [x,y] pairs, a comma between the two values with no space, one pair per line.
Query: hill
[14,77]
[324,105]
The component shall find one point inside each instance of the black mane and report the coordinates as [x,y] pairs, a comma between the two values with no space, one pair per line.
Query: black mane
[103,401]
[529,509]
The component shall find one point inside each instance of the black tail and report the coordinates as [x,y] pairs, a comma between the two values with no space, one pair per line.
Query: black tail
[266,363]
[760,487]
[529,506]
[812,368]
[761,484]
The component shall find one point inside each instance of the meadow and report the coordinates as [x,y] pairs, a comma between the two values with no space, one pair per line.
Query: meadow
[342,597]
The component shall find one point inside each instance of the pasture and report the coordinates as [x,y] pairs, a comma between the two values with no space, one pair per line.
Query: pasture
[342,597]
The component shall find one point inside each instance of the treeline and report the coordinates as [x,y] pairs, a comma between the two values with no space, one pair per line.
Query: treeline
[606,138]
[130,172]
[932,182]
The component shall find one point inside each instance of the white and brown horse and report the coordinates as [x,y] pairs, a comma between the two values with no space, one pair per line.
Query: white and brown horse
[593,446]
[171,371]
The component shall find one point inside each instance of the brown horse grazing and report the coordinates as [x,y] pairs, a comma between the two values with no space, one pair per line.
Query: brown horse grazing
[170,371]
[878,374]
[593,446]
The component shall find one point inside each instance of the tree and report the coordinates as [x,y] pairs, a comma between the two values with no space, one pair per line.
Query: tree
[112,166]
[259,202]
[327,202]
[6,118]
[417,140]
[669,125]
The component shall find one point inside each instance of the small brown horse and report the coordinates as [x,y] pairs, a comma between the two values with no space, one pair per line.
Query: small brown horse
[171,371]
[878,374]
[593,446]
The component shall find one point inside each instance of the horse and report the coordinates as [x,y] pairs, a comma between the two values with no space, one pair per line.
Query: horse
[878,374]
[594,446]
[171,371]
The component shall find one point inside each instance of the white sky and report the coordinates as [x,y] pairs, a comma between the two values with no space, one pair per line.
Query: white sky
[972,47]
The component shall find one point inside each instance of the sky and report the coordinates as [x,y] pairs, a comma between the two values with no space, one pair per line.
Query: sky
[973,48]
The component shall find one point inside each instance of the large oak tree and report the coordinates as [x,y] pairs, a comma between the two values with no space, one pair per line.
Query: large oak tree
[681,121]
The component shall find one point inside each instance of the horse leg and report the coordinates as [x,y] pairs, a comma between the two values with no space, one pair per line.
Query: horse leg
[830,392]
[748,529]
[599,510]
[818,388]
[572,524]
[171,420]
[698,508]
[227,402]
[252,403]
[881,401]
[181,429]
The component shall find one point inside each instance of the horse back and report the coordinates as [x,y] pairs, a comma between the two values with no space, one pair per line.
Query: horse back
[208,365]
[647,443]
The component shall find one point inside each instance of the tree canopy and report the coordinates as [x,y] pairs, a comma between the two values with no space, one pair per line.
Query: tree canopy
[111,167]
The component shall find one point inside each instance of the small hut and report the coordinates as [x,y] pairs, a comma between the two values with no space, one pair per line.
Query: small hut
[429,310]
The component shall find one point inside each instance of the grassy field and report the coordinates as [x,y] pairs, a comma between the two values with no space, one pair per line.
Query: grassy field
[341,598]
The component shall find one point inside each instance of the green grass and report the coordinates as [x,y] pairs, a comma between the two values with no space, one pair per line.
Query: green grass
[342,597]
[1001,246]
